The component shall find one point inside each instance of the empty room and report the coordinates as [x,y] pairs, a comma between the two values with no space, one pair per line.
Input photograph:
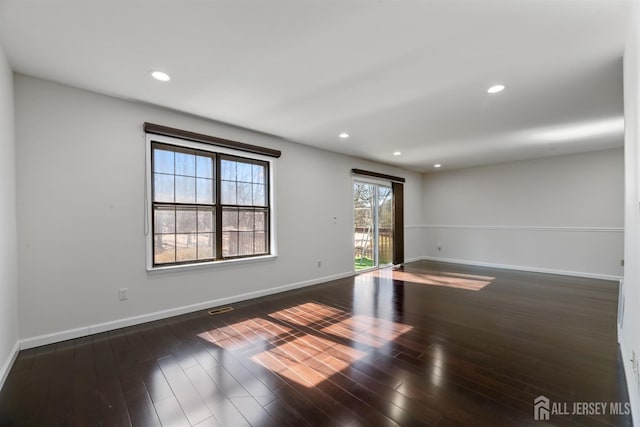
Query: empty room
[319,213]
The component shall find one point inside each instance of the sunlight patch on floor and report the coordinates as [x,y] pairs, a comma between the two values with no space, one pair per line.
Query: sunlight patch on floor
[449,280]
[367,330]
[244,334]
[307,358]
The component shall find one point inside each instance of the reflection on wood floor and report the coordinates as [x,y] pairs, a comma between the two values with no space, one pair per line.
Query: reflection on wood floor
[410,274]
[381,348]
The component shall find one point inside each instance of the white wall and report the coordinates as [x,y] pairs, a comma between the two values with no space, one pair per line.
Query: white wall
[80,163]
[8,260]
[560,214]
[629,336]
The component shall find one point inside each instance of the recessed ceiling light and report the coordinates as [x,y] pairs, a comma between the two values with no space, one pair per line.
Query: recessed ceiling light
[344,135]
[397,153]
[437,165]
[495,89]
[159,75]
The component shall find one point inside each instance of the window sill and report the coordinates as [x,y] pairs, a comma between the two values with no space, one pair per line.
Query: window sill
[212,264]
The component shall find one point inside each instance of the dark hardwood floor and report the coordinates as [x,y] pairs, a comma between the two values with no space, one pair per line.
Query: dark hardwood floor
[430,344]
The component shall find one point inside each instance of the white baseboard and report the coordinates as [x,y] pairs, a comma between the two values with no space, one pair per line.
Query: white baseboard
[524,228]
[629,377]
[525,268]
[8,364]
[149,317]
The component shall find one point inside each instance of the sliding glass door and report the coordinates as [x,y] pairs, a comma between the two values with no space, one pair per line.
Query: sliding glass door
[373,225]
[385,225]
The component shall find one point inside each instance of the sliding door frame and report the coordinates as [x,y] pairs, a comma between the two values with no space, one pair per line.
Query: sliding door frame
[376,183]
[397,187]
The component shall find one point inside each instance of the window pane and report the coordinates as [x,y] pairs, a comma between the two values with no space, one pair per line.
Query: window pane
[229,243]
[260,220]
[204,167]
[244,194]
[162,188]
[229,220]
[228,193]
[164,220]
[186,247]
[204,193]
[164,246]
[245,220]
[260,244]
[206,220]
[258,195]
[245,243]
[258,173]
[185,189]
[228,170]
[185,164]
[163,161]
[185,220]
[244,172]
[206,245]
[184,198]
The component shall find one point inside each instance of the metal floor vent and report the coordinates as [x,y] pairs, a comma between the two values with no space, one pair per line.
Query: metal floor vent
[220,310]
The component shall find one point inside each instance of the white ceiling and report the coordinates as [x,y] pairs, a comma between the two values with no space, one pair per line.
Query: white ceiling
[407,76]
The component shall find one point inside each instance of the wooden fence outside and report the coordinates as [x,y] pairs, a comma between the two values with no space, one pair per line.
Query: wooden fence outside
[364,247]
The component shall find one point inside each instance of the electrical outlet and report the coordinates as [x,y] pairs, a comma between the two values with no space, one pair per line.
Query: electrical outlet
[319,264]
[123,294]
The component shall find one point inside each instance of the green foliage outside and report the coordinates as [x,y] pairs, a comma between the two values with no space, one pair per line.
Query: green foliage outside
[362,263]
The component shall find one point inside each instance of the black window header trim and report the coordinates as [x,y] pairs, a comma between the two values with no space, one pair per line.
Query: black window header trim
[377,175]
[208,139]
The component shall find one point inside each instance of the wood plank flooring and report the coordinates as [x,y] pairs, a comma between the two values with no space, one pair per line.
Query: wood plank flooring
[431,344]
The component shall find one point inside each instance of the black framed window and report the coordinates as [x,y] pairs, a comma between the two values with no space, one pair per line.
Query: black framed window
[245,210]
[207,206]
